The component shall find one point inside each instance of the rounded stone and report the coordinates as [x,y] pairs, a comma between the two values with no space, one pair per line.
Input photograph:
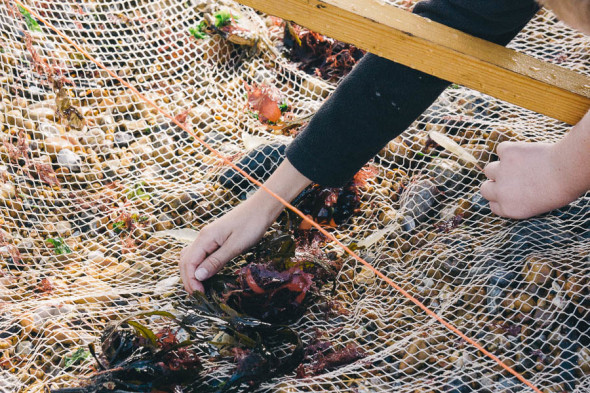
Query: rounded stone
[68,159]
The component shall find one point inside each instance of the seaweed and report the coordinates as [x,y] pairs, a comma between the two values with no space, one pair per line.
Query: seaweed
[266,103]
[135,359]
[321,356]
[60,247]
[318,55]
[240,318]
[32,24]
[280,282]
[330,206]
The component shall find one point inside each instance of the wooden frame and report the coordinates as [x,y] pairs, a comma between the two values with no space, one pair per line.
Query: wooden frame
[441,51]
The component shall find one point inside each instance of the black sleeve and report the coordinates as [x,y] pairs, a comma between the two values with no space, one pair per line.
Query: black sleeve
[379,99]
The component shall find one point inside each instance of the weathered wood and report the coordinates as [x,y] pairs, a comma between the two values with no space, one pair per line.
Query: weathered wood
[441,51]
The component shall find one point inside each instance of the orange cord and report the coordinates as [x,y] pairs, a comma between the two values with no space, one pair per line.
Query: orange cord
[286,204]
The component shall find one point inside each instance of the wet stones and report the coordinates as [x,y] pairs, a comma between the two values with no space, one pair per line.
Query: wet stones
[538,271]
[63,228]
[47,130]
[366,276]
[135,126]
[480,205]
[106,122]
[534,235]
[54,145]
[164,222]
[24,348]
[93,137]
[447,174]
[16,118]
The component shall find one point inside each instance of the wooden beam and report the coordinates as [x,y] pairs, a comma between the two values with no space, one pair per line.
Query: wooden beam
[441,51]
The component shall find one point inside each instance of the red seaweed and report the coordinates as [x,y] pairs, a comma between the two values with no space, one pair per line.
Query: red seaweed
[266,102]
[318,55]
[331,207]
[269,295]
[321,356]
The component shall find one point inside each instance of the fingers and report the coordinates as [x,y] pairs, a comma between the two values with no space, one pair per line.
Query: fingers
[504,147]
[488,191]
[491,170]
[192,257]
[214,262]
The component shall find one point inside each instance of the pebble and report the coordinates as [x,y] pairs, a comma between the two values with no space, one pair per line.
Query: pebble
[95,256]
[138,271]
[68,159]
[24,348]
[314,88]
[93,137]
[8,381]
[63,228]
[47,130]
[106,122]
[54,145]
[7,191]
[94,290]
[135,126]
[365,277]
[538,271]
[42,113]
[123,138]
[164,222]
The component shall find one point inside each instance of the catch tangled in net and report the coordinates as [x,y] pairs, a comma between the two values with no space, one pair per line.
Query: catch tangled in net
[99,192]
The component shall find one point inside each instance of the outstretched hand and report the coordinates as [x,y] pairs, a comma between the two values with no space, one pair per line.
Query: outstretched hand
[239,229]
[220,241]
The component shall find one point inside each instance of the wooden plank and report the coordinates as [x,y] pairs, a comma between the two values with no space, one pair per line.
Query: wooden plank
[441,51]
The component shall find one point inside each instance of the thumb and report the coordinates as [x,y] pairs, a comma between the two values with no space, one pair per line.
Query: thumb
[214,262]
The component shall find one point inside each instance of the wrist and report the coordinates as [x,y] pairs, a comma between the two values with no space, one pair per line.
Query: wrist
[266,205]
[286,182]
[571,156]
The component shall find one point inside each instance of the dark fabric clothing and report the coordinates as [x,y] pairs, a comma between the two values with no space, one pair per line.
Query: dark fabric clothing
[379,99]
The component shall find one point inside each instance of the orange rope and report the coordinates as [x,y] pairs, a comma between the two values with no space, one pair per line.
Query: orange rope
[287,204]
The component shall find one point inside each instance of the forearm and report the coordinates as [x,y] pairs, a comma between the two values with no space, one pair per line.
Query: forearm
[287,182]
[380,98]
[574,151]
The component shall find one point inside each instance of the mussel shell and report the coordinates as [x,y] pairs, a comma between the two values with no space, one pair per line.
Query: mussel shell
[417,202]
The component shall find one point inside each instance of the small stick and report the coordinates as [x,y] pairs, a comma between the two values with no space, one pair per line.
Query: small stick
[454,148]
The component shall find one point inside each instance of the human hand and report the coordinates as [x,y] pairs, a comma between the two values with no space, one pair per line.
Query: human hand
[530,179]
[239,229]
[220,241]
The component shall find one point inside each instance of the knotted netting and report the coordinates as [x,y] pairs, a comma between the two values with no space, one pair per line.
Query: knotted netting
[92,176]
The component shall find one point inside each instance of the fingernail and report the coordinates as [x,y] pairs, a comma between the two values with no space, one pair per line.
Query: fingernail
[201,274]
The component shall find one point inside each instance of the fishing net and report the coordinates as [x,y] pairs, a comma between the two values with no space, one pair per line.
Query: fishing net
[91,176]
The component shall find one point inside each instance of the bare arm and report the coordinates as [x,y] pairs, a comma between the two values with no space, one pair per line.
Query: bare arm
[239,229]
[534,178]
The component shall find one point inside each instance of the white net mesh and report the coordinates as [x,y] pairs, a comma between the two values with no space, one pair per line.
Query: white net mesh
[518,288]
